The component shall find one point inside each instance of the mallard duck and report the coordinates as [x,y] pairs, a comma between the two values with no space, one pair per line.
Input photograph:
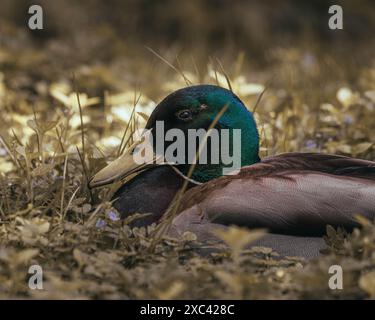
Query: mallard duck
[293,195]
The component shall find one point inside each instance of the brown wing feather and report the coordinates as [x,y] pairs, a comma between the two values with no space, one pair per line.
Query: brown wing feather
[281,165]
[327,163]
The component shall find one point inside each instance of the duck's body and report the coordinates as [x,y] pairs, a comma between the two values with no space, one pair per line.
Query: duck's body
[293,195]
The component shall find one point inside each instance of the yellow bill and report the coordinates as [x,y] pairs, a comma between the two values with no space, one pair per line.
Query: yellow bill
[124,166]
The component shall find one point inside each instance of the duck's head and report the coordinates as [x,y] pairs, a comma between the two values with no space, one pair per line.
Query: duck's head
[188,110]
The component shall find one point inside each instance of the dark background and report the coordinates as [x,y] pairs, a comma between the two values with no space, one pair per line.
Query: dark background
[102,31]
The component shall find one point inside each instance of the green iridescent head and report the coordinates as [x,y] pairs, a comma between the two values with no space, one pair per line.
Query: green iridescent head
[196,107]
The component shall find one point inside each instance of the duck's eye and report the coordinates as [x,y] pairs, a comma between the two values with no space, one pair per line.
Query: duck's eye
[184,115]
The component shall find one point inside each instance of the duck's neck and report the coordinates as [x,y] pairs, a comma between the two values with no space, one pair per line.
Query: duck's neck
[203,173]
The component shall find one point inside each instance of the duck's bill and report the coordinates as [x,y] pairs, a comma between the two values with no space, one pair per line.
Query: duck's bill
[121,168]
